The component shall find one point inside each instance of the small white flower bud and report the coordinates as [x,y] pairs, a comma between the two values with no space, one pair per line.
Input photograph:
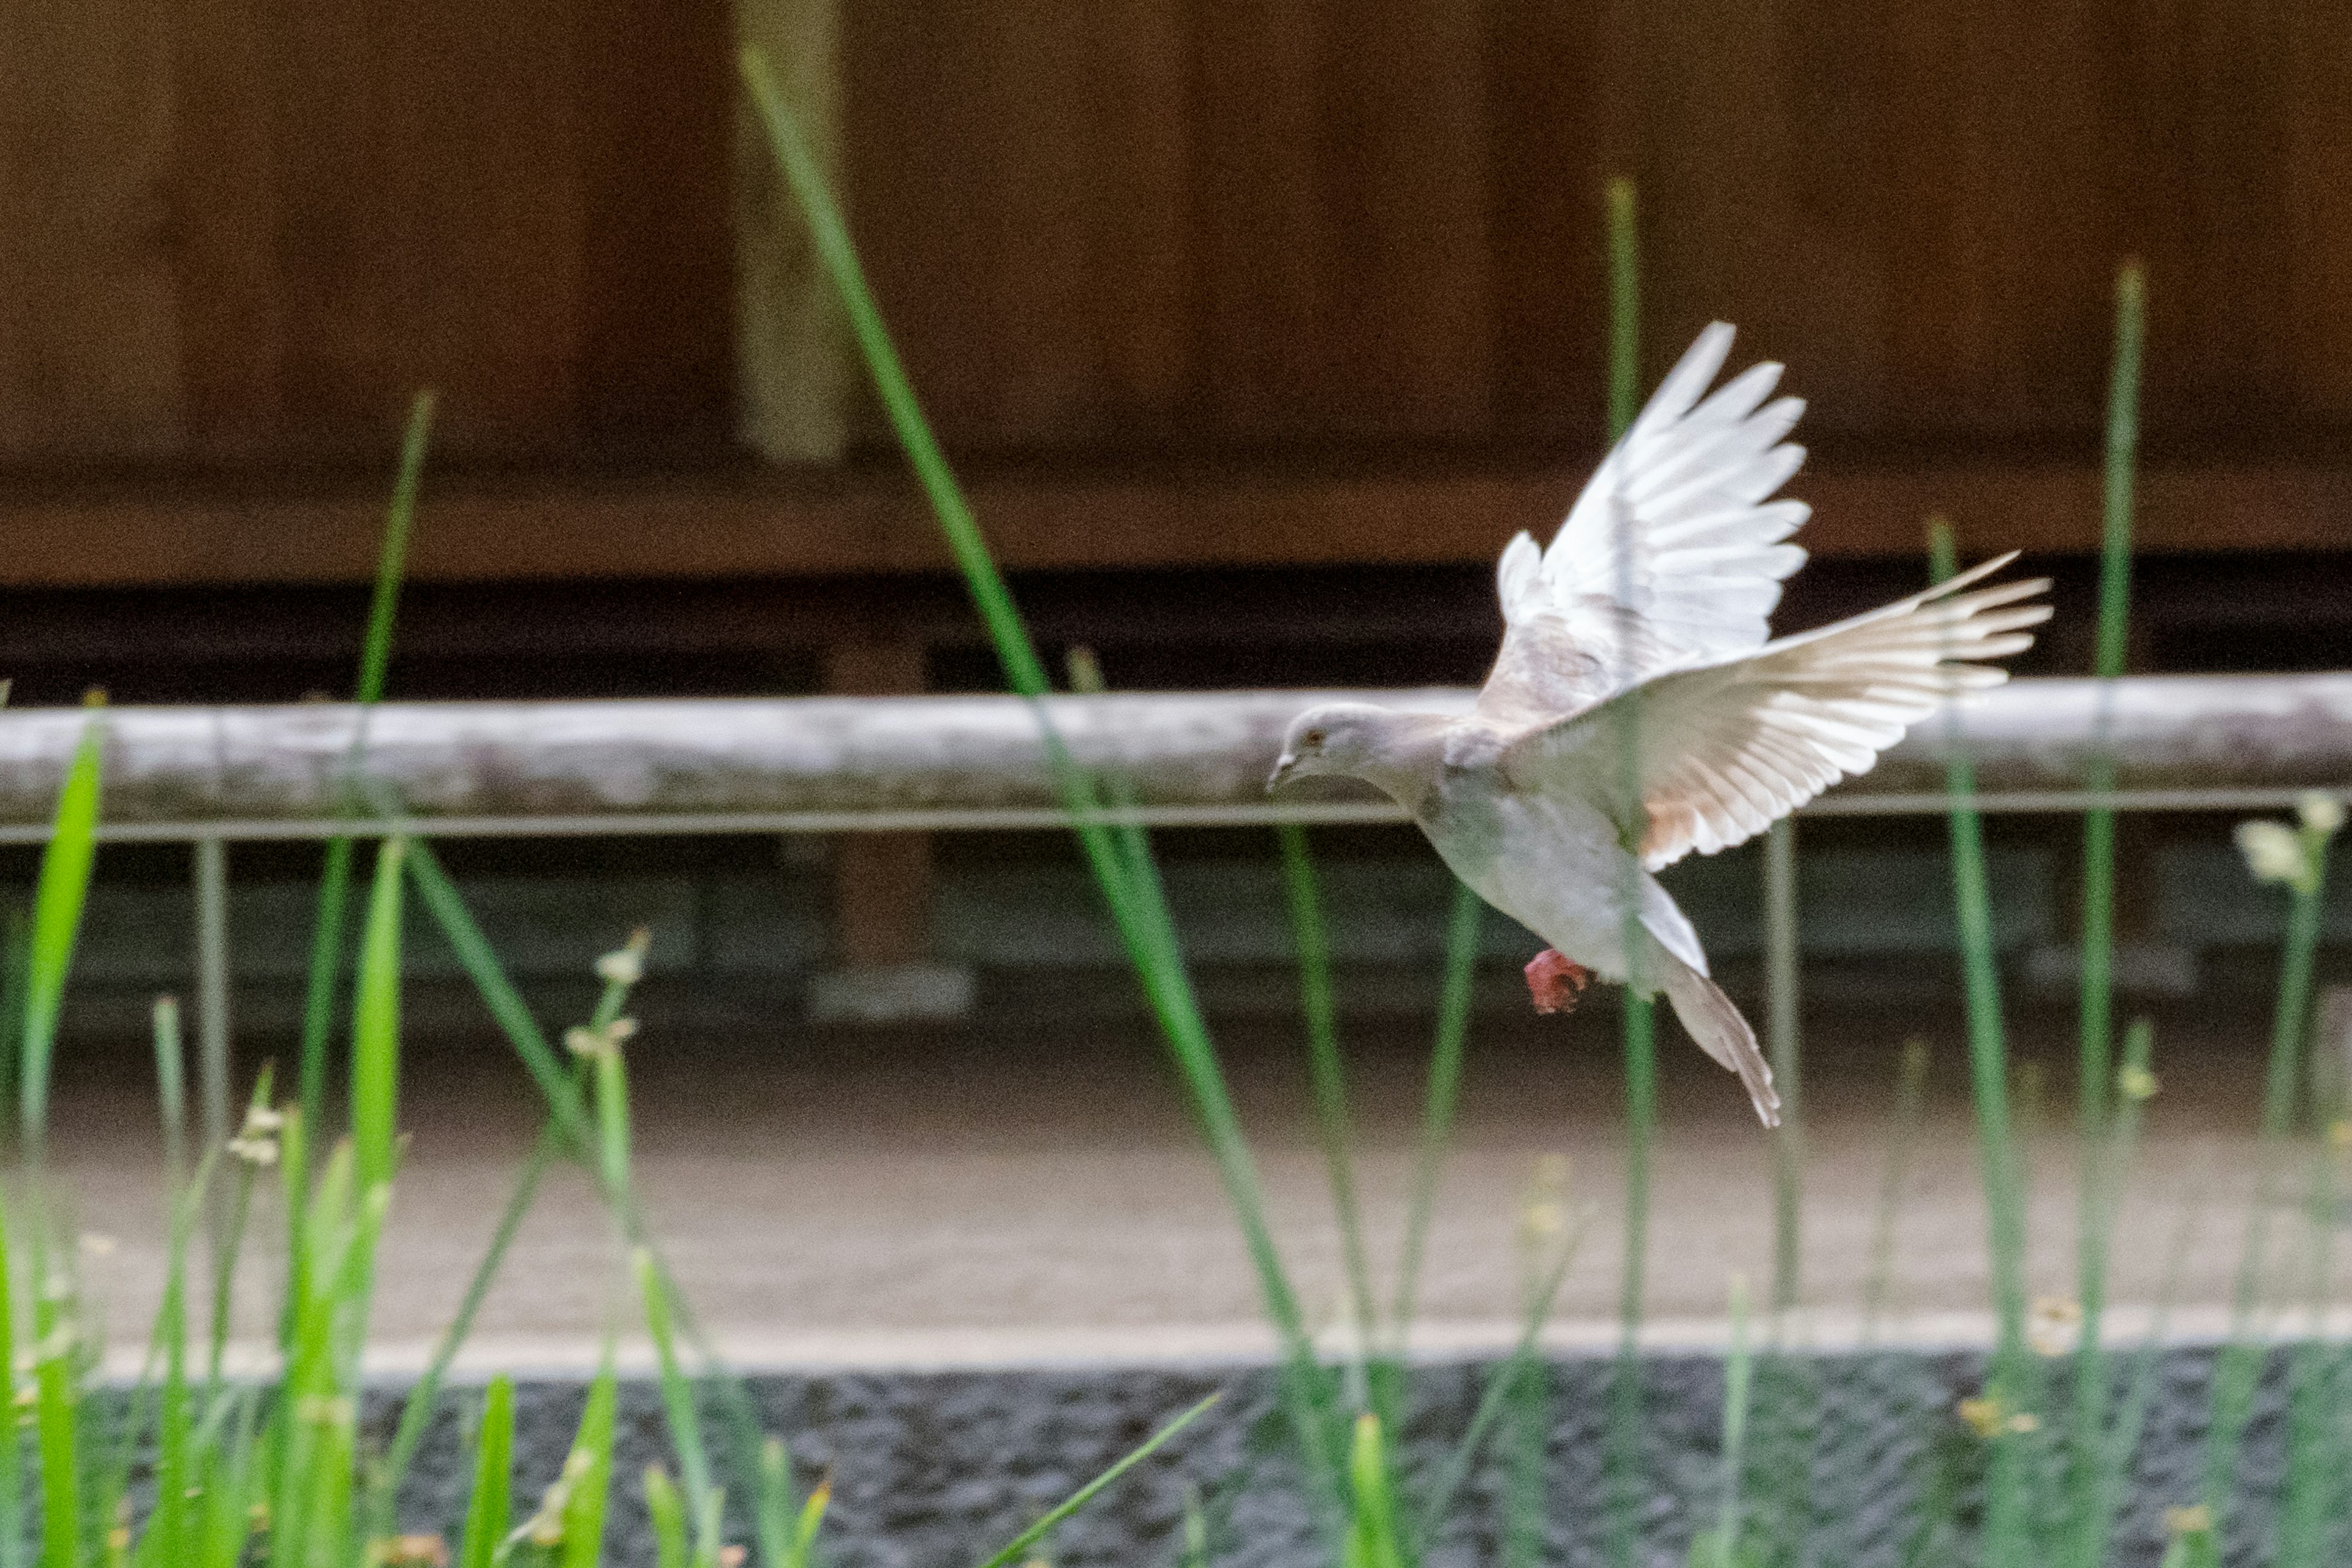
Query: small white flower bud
[2273,853]
[2322,812]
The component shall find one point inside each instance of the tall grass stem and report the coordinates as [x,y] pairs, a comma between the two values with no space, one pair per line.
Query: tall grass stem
[2238,1367]
[376,662]
[1783,976]
[1440,1097]
[1326,1076]
[1137,903]
[2006,1501]
[59,895]
[2095,1049]
[1624,1438]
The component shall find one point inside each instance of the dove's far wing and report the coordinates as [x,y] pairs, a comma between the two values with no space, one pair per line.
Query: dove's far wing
[1726,749]
[1672,554]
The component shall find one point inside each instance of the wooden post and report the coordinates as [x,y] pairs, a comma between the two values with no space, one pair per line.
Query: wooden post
[791,343]
[882,881]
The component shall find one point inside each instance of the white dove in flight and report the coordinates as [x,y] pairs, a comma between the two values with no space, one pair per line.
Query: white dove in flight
[1636,712]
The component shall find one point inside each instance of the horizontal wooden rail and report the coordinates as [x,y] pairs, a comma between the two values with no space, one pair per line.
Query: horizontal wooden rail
[834,764]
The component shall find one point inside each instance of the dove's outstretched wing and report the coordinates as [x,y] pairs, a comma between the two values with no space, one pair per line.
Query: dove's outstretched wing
[1674,554]
[1724,749]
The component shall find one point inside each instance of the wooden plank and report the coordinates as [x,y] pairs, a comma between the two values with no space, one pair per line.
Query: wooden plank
[1265,235]
[914,160]
[657,144]
[1548,77]
[2317,180]
[225,229]
[561,526]
[1406,132]
[1146,265]
[90,365]
[430,224]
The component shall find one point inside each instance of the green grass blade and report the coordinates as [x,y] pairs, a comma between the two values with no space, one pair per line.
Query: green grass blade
[1910,1110]
[304,1426]
[589,1471]
[811,1519]
[507,1007]
[1372,1539]
[668,1516]
[391,561]
[326,974]
[1622,1456]
[375,661]
[1326,1074]
[1624,308]
[568,1121]
[170,1089]
[621,971]
[2315,1448]
[1738,1379]
[612,1120]
[58,900]
[1439,1098]
[230,1243]
[2239,1366]
[1526,1442]
[327,1500]
[17,931]
[375,1024]
[2143,1378]
[172,1524]
[1140,916]
[417,1410]
[2097,1000]
[772,1505]
[1085,1494]
[1785,1043]
[2104,1180]
[12,1477]
[1524,1357]
[677,1390]
[2006,1505]
[55,1426]
[1137,902]
[490,1507]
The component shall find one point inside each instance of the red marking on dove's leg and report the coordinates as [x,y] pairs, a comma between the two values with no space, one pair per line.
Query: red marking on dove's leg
[1555,982]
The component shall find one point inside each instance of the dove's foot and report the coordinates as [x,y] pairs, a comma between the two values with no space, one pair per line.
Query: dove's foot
[1555,982]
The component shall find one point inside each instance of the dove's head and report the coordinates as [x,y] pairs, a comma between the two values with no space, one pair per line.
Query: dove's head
[1350,738]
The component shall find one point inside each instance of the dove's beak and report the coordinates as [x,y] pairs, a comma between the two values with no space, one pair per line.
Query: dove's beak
[1282,772]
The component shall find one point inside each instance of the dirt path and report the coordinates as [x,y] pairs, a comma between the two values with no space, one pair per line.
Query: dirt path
[1034,1194]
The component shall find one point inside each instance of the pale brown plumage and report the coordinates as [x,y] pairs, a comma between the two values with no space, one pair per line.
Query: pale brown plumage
[1636,712]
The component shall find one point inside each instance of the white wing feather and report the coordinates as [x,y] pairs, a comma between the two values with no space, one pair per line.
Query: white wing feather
[1728,748]
[1674,531]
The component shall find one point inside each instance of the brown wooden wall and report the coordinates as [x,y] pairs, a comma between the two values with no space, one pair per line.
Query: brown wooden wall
[1151,222]
[238,232]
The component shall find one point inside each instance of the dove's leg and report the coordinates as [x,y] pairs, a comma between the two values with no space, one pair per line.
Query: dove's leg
[1555,980]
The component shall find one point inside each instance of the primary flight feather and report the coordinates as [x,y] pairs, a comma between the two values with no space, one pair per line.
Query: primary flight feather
[1637,710]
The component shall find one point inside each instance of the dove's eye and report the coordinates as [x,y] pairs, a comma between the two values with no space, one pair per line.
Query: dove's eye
[1313,737]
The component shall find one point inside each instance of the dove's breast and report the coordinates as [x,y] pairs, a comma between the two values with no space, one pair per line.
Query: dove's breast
[1552,864]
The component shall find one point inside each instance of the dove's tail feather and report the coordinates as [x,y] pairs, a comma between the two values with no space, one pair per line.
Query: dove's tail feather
[1719,1029]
